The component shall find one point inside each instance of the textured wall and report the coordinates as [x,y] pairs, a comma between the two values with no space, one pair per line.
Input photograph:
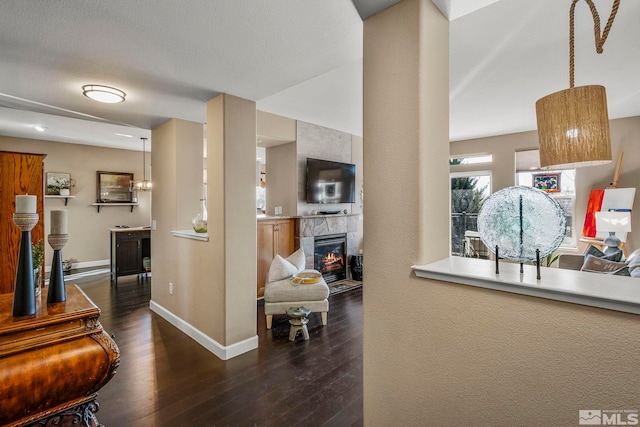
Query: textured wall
[240,227]
[189,264]
[214,291]
[441,354]
[282,179]
[274,127]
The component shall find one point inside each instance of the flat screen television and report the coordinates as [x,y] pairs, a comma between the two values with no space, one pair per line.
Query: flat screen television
[330,182]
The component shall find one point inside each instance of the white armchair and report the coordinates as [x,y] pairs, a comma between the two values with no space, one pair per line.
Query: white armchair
[282,293]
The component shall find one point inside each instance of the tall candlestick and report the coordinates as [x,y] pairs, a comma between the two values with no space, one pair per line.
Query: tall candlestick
[57,292]
[24,302]
[26,204]
[59,221]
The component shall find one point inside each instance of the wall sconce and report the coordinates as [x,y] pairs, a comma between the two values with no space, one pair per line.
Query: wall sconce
[573,124]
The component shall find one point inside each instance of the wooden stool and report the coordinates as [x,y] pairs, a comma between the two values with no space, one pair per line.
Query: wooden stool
[298,322]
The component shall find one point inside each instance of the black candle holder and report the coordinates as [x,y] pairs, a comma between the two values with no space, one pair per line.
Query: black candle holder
[57,291]
[24,298]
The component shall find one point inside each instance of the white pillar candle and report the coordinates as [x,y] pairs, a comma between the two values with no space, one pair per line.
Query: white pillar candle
[59,221]
[26,204]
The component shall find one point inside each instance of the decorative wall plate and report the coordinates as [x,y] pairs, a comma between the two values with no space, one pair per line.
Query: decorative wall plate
[520,220]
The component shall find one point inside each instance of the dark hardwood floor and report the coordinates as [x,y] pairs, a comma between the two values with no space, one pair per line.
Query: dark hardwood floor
[167,379]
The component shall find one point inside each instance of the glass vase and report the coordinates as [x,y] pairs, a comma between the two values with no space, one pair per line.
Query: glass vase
[199,220]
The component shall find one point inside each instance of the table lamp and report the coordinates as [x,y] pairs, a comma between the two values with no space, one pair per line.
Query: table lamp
[613,222]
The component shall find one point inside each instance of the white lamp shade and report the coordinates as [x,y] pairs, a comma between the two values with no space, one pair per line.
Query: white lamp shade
[613,221]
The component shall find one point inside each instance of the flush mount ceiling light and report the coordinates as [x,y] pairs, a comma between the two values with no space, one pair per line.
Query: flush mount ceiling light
[573,124]
[107,94]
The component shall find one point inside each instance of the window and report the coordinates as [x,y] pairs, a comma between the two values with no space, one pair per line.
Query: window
[261,203]
[468,191]
[470,159]
[562,189]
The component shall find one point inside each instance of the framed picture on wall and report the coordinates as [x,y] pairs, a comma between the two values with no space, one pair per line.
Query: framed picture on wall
[57,181]
[114,187]
[548,182]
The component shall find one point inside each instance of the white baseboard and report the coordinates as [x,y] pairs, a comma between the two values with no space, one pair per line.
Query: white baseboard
[221,351]
[86,264]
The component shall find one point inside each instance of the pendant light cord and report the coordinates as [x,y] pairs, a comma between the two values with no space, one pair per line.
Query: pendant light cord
[144,160]
[600,39]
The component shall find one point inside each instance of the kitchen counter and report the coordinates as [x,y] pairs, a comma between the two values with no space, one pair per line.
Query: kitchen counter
[272,217]
[139,228]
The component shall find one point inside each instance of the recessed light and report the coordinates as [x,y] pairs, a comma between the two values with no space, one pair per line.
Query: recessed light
[39,128]
[125,135]
[100,93]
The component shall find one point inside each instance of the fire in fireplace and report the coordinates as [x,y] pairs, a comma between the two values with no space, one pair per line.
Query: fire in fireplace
[330,257]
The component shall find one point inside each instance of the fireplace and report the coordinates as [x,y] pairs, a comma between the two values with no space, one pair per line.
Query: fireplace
[330,256]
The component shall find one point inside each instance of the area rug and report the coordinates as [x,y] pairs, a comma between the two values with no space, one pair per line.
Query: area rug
[343,286]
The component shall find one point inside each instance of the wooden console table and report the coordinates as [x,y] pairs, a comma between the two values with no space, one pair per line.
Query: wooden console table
[53,363]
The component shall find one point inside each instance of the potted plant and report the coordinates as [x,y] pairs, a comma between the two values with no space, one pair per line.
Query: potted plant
[550,259]
[37,252]
[65,186]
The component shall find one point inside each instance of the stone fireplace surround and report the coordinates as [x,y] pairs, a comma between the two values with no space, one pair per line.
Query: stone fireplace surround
[308,227]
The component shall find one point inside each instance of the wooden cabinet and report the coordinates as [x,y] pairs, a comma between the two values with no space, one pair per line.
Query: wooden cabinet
[128,249]
[20,173]
[275,237]
[54,362]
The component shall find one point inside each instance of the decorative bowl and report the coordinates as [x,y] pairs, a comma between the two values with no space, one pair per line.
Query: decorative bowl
[307,277]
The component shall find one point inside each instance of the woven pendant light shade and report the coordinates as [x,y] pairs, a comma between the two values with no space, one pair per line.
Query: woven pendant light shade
[573,128]
[573,124]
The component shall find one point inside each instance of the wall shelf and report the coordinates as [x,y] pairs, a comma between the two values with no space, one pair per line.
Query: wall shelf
[190,234]
[66,198]
[99,205]
[578,287]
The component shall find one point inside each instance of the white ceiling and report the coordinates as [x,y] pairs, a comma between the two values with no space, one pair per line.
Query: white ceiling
[506,56]
[297,58]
